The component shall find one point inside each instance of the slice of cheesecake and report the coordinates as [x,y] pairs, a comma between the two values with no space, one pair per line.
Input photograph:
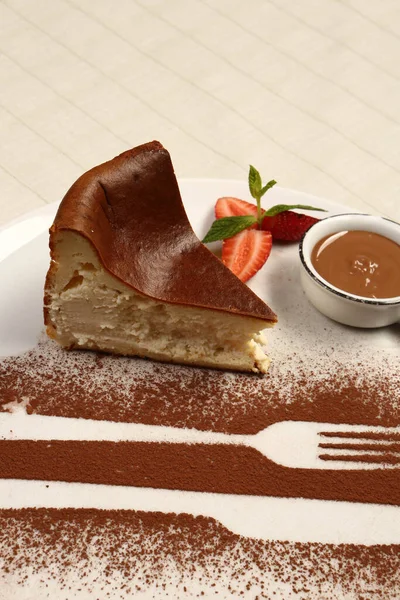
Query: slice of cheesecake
[129,276]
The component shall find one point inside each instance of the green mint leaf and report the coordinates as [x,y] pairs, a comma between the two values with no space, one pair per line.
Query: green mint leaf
[267,187]
[278,208]
[227,227]
[254,182]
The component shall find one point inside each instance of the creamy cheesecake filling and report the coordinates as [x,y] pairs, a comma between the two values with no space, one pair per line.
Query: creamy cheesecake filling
[89,308]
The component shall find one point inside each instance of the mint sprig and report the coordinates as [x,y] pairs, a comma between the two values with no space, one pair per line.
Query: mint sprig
[257,190]
[255,182]
[278,208]
[227,227]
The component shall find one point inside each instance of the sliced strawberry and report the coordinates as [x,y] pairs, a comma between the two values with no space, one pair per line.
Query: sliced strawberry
[288,226]
[233,207]
[246,252]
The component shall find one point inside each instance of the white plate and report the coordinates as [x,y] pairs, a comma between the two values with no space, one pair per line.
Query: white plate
[24,261]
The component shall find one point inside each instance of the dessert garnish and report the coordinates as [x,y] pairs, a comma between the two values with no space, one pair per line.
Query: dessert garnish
[362,263]
[248,230]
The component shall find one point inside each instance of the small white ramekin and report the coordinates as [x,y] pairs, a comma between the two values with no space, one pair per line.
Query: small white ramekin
[341,306]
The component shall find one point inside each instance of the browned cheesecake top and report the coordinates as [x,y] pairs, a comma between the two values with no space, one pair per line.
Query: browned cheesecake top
[130,209]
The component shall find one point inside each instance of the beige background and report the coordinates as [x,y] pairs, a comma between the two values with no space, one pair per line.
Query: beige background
[306,90]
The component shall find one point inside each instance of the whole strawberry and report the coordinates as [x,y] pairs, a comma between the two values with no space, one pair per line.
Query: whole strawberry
[247,230]
[288,226]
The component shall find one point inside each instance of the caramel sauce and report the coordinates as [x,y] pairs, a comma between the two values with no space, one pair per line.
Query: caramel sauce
[359,262]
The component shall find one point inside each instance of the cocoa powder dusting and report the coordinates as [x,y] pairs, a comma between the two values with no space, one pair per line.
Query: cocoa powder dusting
[83,553]
[132,554]
[96,386]
[225,469]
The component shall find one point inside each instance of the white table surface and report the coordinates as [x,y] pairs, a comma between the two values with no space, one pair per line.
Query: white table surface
[308,91]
